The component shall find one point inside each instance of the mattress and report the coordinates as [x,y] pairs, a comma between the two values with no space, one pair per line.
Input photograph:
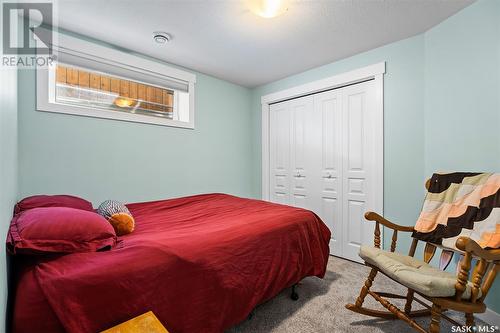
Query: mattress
[200,263]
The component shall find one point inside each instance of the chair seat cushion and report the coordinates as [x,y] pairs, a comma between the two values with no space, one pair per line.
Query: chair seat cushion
[413,273]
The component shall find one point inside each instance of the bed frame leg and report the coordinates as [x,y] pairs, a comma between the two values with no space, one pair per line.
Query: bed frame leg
[294,296]
[251,314]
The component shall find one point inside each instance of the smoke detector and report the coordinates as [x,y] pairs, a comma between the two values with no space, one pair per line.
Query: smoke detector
[161,37]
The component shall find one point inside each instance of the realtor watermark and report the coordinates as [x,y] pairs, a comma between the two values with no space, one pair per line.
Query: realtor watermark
[475,329]
[27,34]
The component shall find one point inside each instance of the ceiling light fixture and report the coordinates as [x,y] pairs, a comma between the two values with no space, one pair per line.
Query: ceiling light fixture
[268,8]
[161,37]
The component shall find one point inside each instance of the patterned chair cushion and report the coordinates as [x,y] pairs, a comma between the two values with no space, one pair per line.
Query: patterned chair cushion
[413,273]
[118,215]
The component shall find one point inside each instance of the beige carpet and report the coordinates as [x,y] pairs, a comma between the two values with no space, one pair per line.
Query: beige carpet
[321,306]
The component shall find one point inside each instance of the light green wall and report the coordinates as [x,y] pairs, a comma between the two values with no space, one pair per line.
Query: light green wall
[462,89]
[462,96]
[103,159]
[8,169]
[441,107]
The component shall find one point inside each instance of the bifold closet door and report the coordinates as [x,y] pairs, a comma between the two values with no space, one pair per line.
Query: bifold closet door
[322,158]
[291,152]
[358,166]
[343,118]
[328,164]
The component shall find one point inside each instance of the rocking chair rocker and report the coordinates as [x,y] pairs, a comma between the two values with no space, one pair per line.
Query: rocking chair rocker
[442,289]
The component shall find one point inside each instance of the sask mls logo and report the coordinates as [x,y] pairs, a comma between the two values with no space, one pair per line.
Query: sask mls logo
[24,44]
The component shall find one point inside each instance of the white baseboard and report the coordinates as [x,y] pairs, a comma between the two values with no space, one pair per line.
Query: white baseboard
[489,317]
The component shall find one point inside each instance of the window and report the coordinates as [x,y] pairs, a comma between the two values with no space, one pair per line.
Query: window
[114,85]
[81,87]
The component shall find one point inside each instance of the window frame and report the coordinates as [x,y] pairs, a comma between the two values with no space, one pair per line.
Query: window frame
[114,57]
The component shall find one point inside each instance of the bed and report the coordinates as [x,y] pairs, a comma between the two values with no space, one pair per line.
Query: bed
[200,263]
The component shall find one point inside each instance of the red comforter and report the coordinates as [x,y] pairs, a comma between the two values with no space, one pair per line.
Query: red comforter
[200,263]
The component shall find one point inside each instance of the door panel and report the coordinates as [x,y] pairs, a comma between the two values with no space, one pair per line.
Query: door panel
[355,211]
[279,133]
[357,146]
[354,128]
[328,124]
[299,200]
[290,156]
[280,198]
[301,158]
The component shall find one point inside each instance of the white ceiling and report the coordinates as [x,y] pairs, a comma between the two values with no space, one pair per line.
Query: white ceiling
[226,40]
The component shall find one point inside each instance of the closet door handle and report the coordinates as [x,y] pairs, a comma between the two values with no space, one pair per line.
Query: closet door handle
[328,177]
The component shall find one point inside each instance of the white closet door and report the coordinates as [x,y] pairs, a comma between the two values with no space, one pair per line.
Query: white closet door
[279,135]
[357,170]
[322,158]
[302,150]
[291,152]
[328,124]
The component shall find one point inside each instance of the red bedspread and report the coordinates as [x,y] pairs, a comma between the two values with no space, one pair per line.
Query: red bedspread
[200,263]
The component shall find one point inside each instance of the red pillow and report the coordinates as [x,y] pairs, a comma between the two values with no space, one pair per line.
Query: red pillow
[37,201]
[59,230]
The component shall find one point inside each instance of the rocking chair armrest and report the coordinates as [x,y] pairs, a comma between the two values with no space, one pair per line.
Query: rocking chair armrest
[372,216]
[470,246]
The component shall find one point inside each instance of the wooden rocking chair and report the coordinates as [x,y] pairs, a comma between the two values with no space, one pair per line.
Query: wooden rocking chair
[467,296]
